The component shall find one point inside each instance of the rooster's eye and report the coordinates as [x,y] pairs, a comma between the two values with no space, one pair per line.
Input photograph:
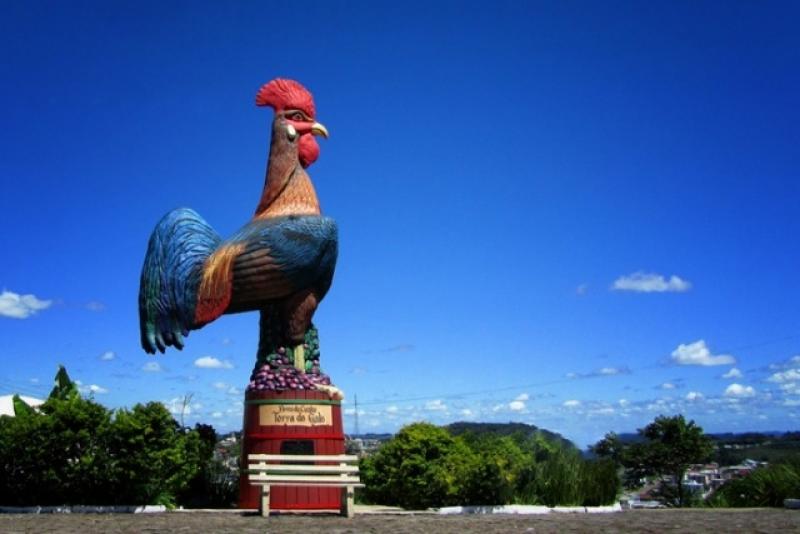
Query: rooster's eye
[297,116]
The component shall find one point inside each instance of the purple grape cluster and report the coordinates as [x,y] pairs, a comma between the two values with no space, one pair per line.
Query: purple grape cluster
[278,374]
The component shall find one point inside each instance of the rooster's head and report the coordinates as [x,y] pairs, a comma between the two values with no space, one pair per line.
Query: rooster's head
[294,110]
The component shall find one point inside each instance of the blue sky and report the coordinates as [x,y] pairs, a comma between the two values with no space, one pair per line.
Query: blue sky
[572,214]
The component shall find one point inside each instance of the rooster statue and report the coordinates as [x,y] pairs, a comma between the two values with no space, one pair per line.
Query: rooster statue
[280,263]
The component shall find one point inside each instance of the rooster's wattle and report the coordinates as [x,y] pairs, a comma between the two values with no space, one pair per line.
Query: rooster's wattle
[281,262]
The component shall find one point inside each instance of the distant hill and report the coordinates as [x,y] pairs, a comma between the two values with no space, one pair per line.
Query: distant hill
[761,446]
[507,429]
[499,429]
[735,447]
[371,435]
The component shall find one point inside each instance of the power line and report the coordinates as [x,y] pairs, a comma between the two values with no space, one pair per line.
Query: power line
[26,389]
[480,392]
[564,380]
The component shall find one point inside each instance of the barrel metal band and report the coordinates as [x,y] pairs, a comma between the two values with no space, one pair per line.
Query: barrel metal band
[293,401]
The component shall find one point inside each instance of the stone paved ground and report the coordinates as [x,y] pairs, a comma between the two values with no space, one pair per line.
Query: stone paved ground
[656,521]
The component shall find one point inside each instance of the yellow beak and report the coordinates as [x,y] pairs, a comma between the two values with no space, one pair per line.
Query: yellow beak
[318,129]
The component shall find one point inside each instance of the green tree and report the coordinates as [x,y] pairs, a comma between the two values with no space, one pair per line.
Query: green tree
[668,446]
[672,445]
[420,467]
[496,472]
[64,388]
[213,485]
[153,456]
[57,453]
[74,451]
[610,447]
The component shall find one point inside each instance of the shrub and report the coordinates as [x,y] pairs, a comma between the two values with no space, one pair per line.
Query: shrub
[75,451]
[422,466]
[498,465]
[766,486]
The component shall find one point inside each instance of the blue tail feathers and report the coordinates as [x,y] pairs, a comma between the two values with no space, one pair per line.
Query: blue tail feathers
[172,271]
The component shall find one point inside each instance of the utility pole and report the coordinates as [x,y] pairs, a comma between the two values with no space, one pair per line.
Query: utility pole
[186,400]
[355,401]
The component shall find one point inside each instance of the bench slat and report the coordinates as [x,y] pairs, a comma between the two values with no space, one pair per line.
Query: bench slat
[270,468]
[301,458]
[278,479]
[309,484]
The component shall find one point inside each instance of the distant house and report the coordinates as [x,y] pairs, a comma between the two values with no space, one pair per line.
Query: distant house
[742,470]
[693,487]
[7,403]
[230,440]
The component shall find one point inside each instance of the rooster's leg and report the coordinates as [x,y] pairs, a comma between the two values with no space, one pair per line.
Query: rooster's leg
[299,309]
[300,358]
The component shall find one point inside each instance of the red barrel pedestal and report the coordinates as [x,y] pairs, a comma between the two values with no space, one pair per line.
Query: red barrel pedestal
[290,422]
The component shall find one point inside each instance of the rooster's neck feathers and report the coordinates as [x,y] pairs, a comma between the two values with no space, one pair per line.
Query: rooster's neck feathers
[287,188]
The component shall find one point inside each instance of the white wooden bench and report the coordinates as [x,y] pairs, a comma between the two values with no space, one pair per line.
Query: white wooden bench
[338,470]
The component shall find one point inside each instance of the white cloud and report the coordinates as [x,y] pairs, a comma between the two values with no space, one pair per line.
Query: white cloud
[222,386]
[466,412]
[522,397]
[152,367]
[210,362]
[605,410]
[624,402]
[791,388]
[436,406]
[93,388]
[21,306]
[667,385]
[694,396]
[572,403]
[605,371]
[95,306]
[733,373]
[108,355]
[392,409]
[516,406]
[786,376]
[216,415]
[642,282]
[697,353]
[738,391]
